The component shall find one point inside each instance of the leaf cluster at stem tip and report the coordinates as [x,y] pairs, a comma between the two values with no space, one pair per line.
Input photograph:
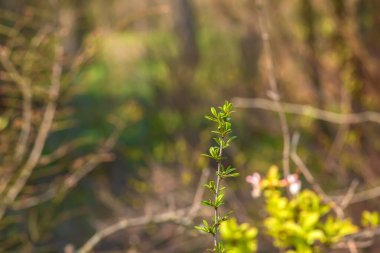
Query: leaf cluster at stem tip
[221,116]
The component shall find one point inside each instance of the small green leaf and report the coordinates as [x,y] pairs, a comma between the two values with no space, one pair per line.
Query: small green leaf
[211,186]
[200,228]
[231,139]
[231,175]
[219,200]
[211,118]
[213,111]
[208,203]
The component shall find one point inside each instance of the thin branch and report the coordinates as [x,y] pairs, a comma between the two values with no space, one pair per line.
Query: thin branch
[365,195]
[273,91]
[352,247]
[350,194]
[181,216]
[134,222]
[350,32]
[309,111]
[362,239]
[197,198]
[102,155]
[303,168]
[348,199]
[59,153]
[26,92]
[331,160]
[199,193]
[36,41]
[310,178]
[138,15]
[42,133]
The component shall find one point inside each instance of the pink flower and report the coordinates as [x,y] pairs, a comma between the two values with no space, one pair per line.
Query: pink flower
[254,180]
[294,184]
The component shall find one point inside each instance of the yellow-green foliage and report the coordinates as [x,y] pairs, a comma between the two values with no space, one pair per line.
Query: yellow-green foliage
[302,223]
[238,238]
[370,219]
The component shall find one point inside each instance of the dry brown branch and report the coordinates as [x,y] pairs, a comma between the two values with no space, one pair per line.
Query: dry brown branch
[303,168]
[182,216]
[352,247]
[361,239]
[102,155]
[364,195]
[58,190]
[350,194]
[199,193]
[338,203]
[26,121]
[105,196]
[26,92]
[134,222]
[16,74]
[340,137]
[310,178]
[273,87]
[309,111]
[36,41]
[60,152]
[138,15]
[344,200]
[42,134]
[350,31]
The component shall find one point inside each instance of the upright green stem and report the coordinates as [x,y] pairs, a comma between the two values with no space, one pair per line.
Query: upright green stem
[221,117]
[218,179]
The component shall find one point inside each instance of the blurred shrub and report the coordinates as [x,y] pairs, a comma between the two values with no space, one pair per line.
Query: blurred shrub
[238,238]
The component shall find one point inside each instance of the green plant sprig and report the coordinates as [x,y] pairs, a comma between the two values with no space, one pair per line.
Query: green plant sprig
[222,118]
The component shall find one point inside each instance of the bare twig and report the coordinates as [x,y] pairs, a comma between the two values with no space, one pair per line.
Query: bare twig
[350,31]
[60,152]
[182,216]
[352,247]
[339,140]
[362,239]
[102,155]
[309,111]
[365,195]
[24,86]
[138,15]
[26,92]
[273,91]
[310,178]
[350,194]
[349,198]
[303,168]
[36,41]
[42,133]
[199,193]
[133,222]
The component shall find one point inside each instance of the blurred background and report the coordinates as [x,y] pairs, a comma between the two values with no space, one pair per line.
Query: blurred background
[103,102]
